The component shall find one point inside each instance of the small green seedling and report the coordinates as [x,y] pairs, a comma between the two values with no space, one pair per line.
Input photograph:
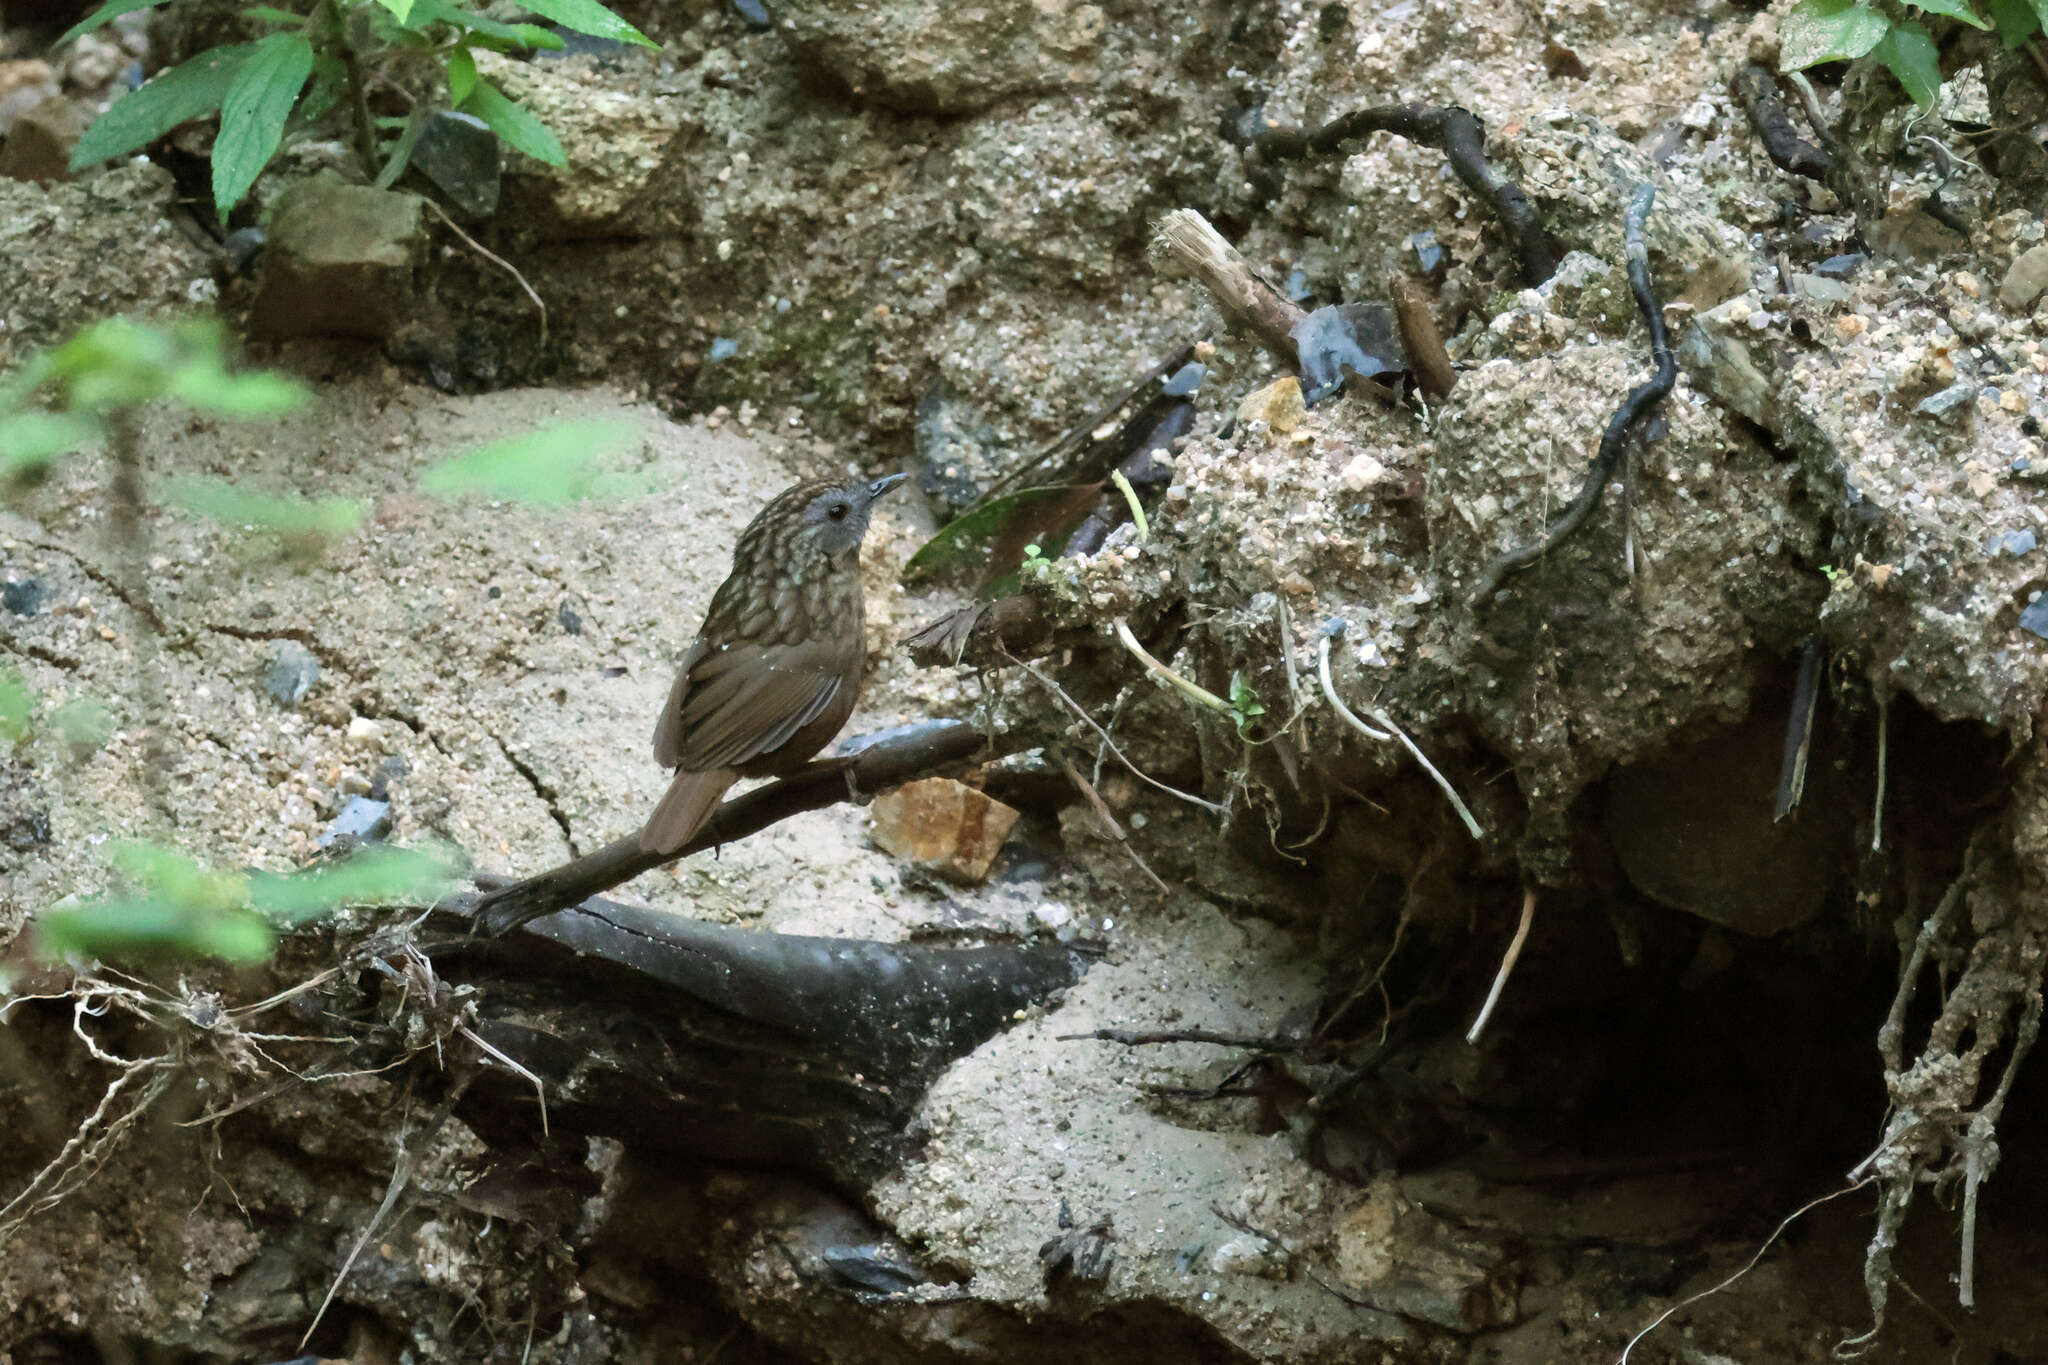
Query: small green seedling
[322,59]
[1818,31]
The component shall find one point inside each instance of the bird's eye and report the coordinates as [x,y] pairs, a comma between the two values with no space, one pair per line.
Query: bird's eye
[837,511]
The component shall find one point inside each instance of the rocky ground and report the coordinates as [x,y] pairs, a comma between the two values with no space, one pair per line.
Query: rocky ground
[911,237]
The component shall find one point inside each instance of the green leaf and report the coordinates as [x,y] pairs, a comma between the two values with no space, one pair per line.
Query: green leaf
[140,117]
[105,14]
[521,131]
[520,36]
[401,10]
[1954,9]
[1819,31]
[587,16]
[373,876]
[2016,20]
[552,466]
[127,928]
[17,702]
[969,542]
[289,514]
[1908,52]
[253,114]
[84,724]
[461,76]
[266,14]
[31,439]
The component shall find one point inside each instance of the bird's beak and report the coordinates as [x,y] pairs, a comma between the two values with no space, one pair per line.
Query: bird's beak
[881,486]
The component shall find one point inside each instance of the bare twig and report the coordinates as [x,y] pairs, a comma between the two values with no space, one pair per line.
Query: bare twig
[1103,813]
[1633,410]
[480,249]
[1082,712]
[1507,966]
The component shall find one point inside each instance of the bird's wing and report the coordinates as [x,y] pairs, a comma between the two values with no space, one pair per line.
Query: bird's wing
[732,705]
[668,741]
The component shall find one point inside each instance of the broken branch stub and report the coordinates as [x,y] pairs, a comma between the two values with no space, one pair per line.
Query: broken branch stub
[1184,242]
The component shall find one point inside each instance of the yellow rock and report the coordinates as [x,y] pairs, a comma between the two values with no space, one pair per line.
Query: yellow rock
[1279,405]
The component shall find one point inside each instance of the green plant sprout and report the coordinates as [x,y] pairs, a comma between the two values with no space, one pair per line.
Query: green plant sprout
[176,907]
[319,59]
[1817,31]
[106,373]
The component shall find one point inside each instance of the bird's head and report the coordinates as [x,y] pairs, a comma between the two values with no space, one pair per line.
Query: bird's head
[829,519]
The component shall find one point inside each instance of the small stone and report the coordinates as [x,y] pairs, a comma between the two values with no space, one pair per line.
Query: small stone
[942,825]
[722,348]
[364,733]
[1820,289]
[1051,915]
[339,262]
[2035,618]
[1245,1254]
[1841,267]
[1362,473]
[1279,405]
[293,673]
[24,597]
[2014,543]
[1430,258]
[461,155]
[1967,282]
[361,819]
[1948,400]
[1852,324]
[38,146]
[2012,400]
[2025,279]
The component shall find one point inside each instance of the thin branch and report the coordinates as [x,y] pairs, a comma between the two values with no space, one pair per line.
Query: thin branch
[1102,734]
[827,782]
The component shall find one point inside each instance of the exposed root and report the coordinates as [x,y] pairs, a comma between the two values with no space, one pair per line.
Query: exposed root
[1747,1266]
[1462,139]
[1507,966]
[1394,732]
[1633,411]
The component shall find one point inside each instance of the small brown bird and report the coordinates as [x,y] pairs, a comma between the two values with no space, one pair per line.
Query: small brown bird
[777,666]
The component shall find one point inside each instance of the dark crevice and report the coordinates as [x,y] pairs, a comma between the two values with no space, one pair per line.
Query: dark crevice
[107,581]
[541,788]
[29,649]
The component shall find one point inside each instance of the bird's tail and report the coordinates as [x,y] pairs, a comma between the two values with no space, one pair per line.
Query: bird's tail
[684,808]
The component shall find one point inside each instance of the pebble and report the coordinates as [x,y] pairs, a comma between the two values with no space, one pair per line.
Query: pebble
[292,674]
[2026,279]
